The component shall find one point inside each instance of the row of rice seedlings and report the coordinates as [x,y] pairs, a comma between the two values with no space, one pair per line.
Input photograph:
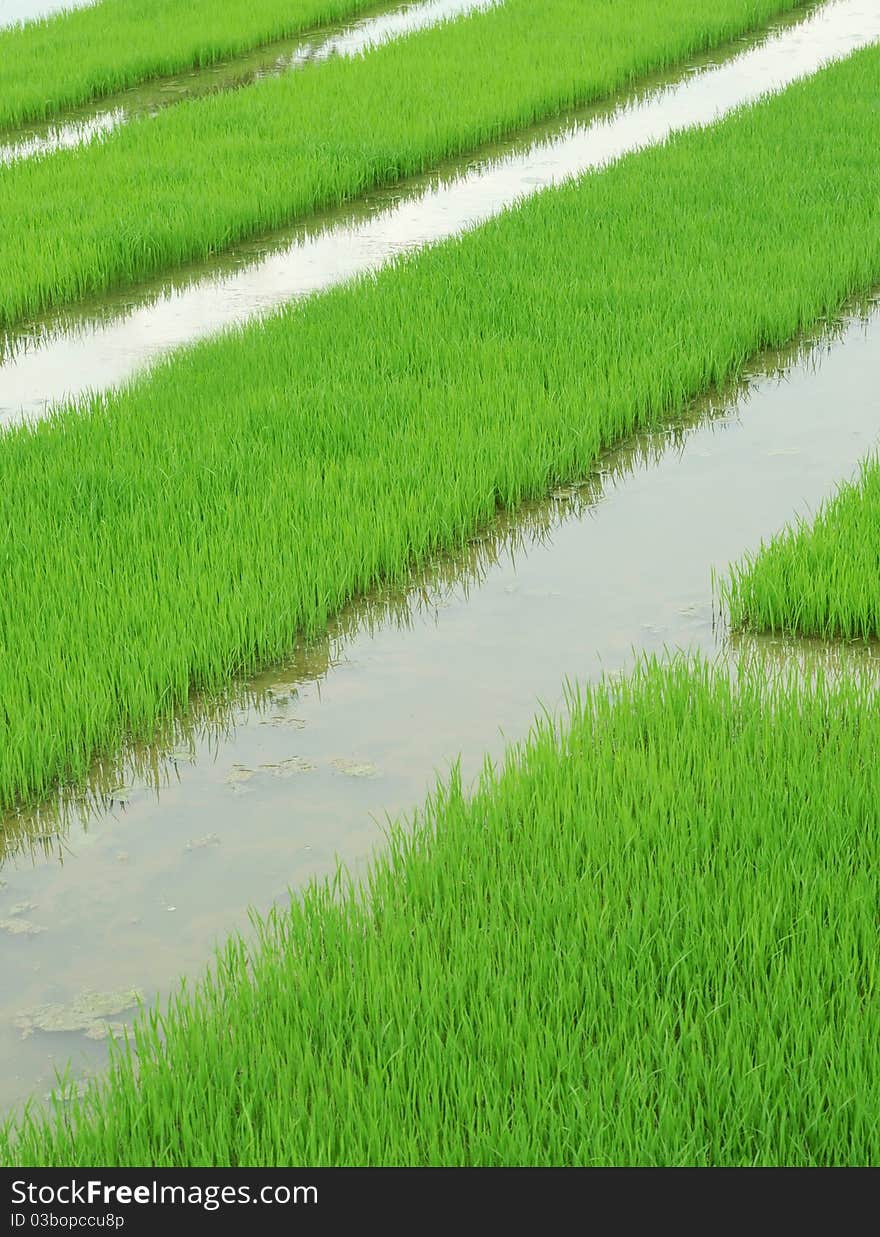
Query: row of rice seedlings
[161,537]
[819,577]
[356,37]
[200,176]
[648,938]
[72,57]
[41,828]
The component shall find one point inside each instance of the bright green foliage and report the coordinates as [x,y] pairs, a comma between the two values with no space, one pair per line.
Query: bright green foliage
[88,53]
[191,525]
[200,176]
[820,578]
[650,939]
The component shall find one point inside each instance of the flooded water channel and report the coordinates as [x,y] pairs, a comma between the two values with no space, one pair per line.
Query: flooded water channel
[132,884]
[101,343]
[80,125]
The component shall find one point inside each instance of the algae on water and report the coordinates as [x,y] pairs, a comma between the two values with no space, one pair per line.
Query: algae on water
[87,1012]
[209,839]
[289,767]
[355,768]
[20,927]
[240,774]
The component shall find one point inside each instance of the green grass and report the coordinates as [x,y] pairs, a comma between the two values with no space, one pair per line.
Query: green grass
[818,578]
[650,938]
[194,524]
[74,57]
[199,176]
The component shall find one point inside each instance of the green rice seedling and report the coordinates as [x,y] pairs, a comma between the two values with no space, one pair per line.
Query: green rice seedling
[84,54]
[818,578]
[161,538]
[649,938]
[202,175]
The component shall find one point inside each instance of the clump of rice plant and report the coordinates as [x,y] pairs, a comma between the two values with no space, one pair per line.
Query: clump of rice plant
[817,578]
[206,173]
[649,938]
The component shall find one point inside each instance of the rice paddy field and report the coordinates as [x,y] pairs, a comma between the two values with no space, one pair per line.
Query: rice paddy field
[199,177]
[186,527]
[645,933]
[71,57]
[356,35]
[577,964]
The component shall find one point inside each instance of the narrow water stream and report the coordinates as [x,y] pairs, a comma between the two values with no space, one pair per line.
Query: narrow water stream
[100,344]
[133,884]
[80,125]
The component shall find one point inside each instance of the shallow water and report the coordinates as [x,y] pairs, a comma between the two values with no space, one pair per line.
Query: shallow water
[151,868]
[100,344]
[80,125]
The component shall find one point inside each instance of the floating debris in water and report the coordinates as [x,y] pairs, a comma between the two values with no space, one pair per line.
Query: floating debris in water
[20,927]
[22,908]
[210,839]
[87,1013]
[290,767]
[283,694]
[238,775]
[281,719]
[355,768]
